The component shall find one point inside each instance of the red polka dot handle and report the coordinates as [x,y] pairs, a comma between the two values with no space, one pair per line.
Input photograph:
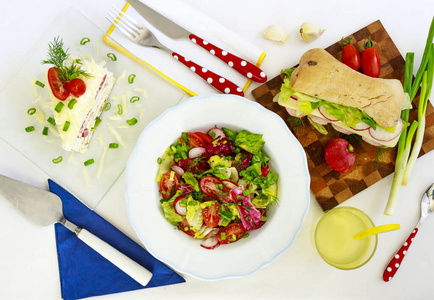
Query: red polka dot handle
[220,83]
[394,264]
[240,65]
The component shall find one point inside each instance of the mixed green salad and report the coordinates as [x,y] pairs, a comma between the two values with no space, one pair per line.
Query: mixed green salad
[217,186]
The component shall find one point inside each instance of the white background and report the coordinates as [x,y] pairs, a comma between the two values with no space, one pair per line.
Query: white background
[28,261]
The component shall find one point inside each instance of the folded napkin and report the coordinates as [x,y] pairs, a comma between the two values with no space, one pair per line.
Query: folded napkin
[83,271]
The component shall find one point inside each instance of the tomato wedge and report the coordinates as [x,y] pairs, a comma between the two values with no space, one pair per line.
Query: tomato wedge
[206,138]
[77,87]
[194,140]
[168,185]
[231,233]
[185,227]
[211,215]
[59,88]
[215,188]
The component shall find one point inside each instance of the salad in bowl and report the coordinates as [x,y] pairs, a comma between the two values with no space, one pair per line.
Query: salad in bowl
[217,186]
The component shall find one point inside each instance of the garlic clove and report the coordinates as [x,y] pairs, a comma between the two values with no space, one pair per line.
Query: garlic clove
[309,32]
[277,34]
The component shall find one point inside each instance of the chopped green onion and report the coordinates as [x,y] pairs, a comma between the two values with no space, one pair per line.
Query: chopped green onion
[45,131]
[113,145]
[219,186]
[66,125]
[131,78]
[57,160]
[264,218]
[59,107]
[71,103]
[132,121]
[97,122]
[39,83]
[31,111]
[159,160]
[107,106]
[223,236]
[51,121]
[134,99]
[112,56]
[120,109]
[89,162]
[246,235]
[30,128]
[84,40]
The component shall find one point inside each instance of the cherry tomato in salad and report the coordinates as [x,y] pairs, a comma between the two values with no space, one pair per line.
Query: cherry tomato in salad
[59,88]
[169,182]
[350,55]
[215,188]
[211,215]
[194,140]
[185,227]
[371,65]
[77,87]
[231,233]
[206,138]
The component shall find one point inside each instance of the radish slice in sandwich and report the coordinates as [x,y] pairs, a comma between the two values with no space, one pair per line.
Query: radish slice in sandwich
[361,126]
[341,129]
[329,117]
[385,136]
[371,142]
[293,112]
[319,120]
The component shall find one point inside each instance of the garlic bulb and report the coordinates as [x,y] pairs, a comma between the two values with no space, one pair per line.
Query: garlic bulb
[309,32]
[277,34]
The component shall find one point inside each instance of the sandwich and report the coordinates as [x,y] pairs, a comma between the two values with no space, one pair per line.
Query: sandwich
[327,91]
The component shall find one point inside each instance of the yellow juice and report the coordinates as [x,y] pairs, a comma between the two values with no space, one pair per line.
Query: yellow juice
[334,238]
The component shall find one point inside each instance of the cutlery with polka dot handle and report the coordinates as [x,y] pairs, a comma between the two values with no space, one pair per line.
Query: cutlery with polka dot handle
[240,65]
[427,207]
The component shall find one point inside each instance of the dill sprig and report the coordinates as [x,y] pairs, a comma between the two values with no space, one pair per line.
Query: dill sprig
[57,56]
[380,153]
[295,123]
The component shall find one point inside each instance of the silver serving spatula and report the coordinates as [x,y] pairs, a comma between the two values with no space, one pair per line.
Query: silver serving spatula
[45,208]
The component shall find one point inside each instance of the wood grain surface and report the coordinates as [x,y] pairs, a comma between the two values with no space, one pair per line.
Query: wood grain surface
[372,164]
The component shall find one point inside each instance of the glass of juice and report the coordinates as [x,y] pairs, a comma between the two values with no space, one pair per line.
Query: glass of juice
[334,238]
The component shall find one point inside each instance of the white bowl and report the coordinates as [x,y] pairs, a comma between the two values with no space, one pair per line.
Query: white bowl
[182,252]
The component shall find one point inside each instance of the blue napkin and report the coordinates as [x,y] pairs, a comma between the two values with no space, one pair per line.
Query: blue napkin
[83,271]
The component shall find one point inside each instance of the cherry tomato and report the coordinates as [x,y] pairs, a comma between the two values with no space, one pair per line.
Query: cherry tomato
[340,155]
[59,88]
[371,65]
[350,55]
[265,170]
[194,140]
[211,215]
[167,185]
[77,87]
[231,233]
[206,138]
[185,227]
[215,188]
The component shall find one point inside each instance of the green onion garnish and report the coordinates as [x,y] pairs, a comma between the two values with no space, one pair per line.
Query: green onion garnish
[219,186]
[66,125]
[59,107]
[57,160]
[120,109]
[30,128]
[45,131]
[131,78]
[113,145]
[84,40]
[51,121]
[132,121]
[107,106]
[134,99]
[112,56]
[246,235]
[223,236]
[264,218]
[97,122]
[159,160]
[89,162]
[31,111]
[39,83]
[71,103]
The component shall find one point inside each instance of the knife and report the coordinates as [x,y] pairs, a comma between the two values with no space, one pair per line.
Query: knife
[175,31]
[44,208]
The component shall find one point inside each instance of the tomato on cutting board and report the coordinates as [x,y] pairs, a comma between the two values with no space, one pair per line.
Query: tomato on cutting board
[371,65]
[59,88]
[350,55]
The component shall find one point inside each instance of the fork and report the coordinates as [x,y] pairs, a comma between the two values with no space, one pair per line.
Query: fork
[142,36]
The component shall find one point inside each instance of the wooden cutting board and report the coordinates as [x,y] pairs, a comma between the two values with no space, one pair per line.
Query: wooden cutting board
[372,164]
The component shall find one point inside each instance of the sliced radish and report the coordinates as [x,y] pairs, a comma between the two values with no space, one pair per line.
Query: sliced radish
[383,135]
[293,112]
[229,184]
[216,133]
[329,117]
[213,232]
[341,129]
[196,152]
[294,98]
[361,126]
[319,120]
[178,170]
[371,142]
[210,243]
[180,210]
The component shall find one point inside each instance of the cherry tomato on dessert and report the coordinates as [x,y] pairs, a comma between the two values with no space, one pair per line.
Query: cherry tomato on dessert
[194,140]
[206,138]
[211,215]
[184,226]
[169,182]
[215,188]
[371,65]
[350,55]
[59,88]
[231,233]
[77,87]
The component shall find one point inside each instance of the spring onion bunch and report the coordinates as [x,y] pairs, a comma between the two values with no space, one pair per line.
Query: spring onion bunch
[423,79]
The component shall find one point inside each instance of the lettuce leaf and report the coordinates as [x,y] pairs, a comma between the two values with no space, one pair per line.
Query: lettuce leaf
[191,180]
[169,211]
[251,142]
[194,214]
